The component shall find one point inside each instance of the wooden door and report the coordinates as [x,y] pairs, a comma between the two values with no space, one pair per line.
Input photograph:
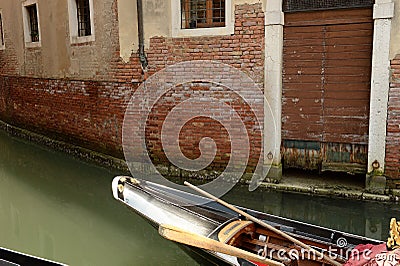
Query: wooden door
[326,83]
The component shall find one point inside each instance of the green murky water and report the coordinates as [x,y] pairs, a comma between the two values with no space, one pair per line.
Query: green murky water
[56,207]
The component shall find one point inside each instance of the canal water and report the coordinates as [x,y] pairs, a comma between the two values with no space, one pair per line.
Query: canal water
[54,206]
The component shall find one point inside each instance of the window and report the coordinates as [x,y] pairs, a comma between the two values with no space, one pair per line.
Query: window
[202,17]
[31,21]
[2,43]
[81,27]
[202,13]
[83,15]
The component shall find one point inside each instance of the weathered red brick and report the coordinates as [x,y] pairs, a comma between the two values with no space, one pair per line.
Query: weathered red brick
[90,113]
[393,128]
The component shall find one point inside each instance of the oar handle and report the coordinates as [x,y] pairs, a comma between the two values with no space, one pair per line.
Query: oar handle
[269,227]
[188,238]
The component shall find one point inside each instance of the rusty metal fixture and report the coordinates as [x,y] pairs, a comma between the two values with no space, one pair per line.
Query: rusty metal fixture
[376,165]
[341,157]
[302,154]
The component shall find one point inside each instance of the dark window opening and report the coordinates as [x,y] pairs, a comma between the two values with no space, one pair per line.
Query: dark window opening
[1,31]
[83,13]
[310,5]
[33,23]
[202,13]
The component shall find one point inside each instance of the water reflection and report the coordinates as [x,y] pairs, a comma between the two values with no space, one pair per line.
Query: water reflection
[369,219]
[56,207]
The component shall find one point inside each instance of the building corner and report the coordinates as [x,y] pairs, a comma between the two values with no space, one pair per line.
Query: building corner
[273,61]
[383,14]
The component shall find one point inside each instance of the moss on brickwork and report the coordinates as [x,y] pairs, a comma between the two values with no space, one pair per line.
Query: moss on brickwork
[76,151]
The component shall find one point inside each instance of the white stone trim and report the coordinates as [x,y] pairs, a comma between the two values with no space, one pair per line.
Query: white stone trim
[384,10]
[380,78]
[27,28]
[177,30]
[73,24]
[2,46]
[275,17]
[274,20]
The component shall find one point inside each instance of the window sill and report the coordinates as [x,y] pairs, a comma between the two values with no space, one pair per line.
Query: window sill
[217,31]
[2,47]
[82,40]
[33,44]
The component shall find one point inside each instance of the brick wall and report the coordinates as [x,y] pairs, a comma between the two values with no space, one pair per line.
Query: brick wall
[85,113]
[243,50]
[393,128]
[201,124]
[90,112]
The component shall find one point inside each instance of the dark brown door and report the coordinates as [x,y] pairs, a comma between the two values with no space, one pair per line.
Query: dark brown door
[326,79]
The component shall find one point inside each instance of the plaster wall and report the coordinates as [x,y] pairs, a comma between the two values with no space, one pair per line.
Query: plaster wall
[56,57]
[157,21]
[395,34]
[13,37]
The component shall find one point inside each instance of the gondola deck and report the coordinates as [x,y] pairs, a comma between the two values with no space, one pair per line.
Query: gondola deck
[10,257]
[163,205]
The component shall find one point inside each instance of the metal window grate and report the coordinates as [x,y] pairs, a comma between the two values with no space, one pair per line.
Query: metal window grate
[83,13]
[309,5]
[33,22]
[202,13]
[1,31]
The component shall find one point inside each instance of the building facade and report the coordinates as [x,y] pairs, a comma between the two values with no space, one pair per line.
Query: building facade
[330,71]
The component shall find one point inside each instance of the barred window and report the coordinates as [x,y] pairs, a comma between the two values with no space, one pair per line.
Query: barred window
[202,14]
[83,15]
[1,32]
[33,23]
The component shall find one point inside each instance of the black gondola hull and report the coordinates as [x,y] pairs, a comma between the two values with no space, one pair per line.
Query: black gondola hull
[163,205]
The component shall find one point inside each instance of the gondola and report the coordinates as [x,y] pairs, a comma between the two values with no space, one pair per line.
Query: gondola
[162,205]
[10,257]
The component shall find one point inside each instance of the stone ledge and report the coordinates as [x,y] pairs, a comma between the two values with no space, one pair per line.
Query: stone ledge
[118,164]
[333,192]
[83,154]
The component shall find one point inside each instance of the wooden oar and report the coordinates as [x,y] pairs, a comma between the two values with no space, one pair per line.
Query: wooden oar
[269,227]
[188,238]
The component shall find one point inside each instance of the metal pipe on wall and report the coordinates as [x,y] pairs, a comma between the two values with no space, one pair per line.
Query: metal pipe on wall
[142,54]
